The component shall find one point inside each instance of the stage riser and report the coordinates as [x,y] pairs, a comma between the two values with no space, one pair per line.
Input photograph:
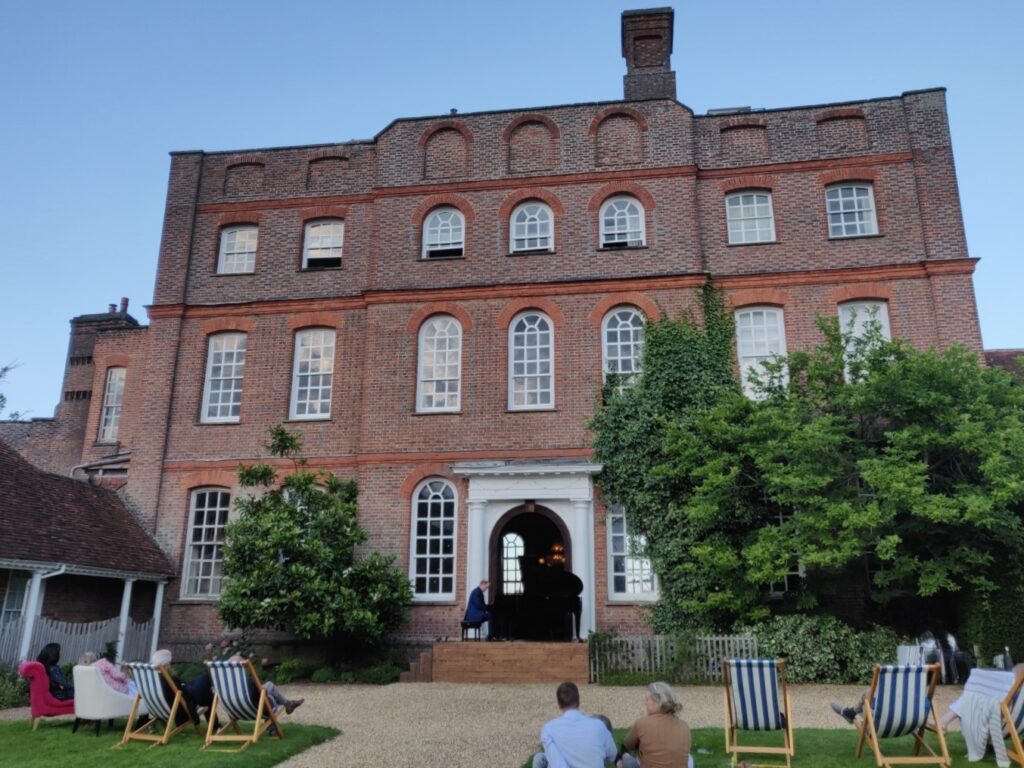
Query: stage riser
[485,662]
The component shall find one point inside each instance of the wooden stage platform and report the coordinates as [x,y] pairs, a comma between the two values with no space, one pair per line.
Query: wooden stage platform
[500,662]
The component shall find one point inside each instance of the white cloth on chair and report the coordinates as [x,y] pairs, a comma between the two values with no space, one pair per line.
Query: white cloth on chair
[981,723]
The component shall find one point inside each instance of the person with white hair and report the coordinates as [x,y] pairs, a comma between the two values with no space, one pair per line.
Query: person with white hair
[662,738]
[112,675]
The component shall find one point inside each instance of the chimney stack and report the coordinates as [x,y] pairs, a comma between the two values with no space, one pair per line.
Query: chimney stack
[112,308]
[647,48]
[124,304]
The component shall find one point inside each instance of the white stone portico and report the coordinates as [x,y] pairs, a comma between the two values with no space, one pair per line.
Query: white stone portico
[565,487]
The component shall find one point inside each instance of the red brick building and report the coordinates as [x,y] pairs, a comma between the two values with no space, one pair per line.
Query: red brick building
[434,309]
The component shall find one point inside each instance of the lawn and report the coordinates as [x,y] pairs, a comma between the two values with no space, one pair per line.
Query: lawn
[815,748]
[52,743]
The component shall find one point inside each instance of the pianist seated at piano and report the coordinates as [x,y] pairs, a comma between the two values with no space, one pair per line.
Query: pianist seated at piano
[477,610]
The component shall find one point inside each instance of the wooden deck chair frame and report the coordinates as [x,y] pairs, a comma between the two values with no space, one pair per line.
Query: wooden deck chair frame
[732,728]
[135,732]
[1015,752]
[869,730]
[265,716]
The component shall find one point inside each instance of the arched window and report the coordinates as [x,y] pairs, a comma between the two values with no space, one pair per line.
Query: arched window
[750,217]
[444,233]
[760,336]
[322,244]
[438,383]
[225,369]
[113,394]
[851,210]
[622,223]
[237,249]
[208,515]
[432,562]
[312,374]
[531,354]
[531,228]
[622,335]
[512,548]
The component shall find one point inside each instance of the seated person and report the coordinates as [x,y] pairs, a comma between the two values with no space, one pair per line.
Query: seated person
[573,740]
[662,738]
[162,658]
[477,610]
[60,687]
[275,695]
[111,674]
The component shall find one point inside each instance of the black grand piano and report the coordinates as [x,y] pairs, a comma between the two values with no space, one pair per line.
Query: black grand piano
[548,608]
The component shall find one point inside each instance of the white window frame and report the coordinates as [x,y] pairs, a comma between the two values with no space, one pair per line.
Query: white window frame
[519,384]
[323,240]
[203,547]
[444,233]
[636,570]
[755,344]
[522,238]
[237,252]
[17,582]
[511,572]
[312,371]
[110,412]
[855,315]
[219,347]
[434,380]
[750,217]
[611,350]
[850,213]
[434,489]
[628,228]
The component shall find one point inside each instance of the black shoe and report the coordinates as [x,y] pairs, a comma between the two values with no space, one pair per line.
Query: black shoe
[849,714]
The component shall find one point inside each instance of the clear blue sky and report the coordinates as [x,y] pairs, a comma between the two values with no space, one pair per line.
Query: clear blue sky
[94,95]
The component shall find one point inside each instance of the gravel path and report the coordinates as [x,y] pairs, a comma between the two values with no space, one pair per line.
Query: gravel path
[467,726]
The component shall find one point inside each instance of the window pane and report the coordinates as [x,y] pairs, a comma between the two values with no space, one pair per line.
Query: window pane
[631,573]
[531,228]
[622,223]
[760,336]
[749,218]
[313,374]
[113,394]
[323,243]
[623,343]
[439,366]
[237,249]
[434,540]
[224,372]
[209,515]
[851,211]
[531,382]
[443,233]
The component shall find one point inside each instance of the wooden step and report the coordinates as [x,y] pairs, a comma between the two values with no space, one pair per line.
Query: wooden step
[509,662]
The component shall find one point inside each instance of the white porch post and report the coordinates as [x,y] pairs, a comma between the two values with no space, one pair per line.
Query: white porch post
[158,610]
[122,626]
[583,560]
[476,543]
[32,610]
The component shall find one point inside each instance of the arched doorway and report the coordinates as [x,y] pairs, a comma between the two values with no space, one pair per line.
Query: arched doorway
[534,590]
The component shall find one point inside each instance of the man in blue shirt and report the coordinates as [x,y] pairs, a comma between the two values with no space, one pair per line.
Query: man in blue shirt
[574,740]
[477,610]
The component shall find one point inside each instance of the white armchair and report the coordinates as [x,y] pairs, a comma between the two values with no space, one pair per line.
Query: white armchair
[95,700]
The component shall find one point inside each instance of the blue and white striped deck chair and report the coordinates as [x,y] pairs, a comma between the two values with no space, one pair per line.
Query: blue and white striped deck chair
[899,703]
[150,681]
[237,690]
[1012,708]
[756,699]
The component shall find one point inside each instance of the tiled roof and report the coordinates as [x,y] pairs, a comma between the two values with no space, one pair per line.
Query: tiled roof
[54,519]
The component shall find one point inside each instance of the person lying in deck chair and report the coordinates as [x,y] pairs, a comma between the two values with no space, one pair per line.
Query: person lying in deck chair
[274,694]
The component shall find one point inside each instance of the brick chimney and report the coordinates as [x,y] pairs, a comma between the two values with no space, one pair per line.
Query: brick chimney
[647,49]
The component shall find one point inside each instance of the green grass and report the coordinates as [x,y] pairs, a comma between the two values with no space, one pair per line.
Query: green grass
[814,748]
[52,743]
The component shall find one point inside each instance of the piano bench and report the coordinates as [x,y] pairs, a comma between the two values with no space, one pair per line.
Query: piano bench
[471,626]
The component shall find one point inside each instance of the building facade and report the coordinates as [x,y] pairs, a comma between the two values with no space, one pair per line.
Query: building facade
[435,309]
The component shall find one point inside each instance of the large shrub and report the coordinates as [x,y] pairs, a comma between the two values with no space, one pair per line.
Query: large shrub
[13,689]
[822,649]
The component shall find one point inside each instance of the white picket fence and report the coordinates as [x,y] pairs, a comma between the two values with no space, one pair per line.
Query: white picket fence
[75,639]
[661,654]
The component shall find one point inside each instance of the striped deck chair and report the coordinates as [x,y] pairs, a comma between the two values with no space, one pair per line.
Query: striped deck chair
[899,703]
[756,699]
[238,691]
[148,678]
[1012,708]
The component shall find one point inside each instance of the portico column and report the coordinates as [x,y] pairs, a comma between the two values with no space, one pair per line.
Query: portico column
[583,560]
[31,612]
[476,543]
[158,612]
[122,625]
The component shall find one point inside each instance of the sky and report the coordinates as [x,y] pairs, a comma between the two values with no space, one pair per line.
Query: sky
[93,97]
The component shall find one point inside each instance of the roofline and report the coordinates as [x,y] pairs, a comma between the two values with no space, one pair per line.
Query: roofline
[761,111]
[83,570]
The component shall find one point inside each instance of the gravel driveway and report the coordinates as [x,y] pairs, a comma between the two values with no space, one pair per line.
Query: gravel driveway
[449,725]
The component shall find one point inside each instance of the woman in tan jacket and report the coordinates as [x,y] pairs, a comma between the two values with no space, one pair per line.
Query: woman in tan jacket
[662,738]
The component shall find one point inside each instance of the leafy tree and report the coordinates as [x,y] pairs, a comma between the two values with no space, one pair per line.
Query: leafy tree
[290,562]
[13,415]
[888,471]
